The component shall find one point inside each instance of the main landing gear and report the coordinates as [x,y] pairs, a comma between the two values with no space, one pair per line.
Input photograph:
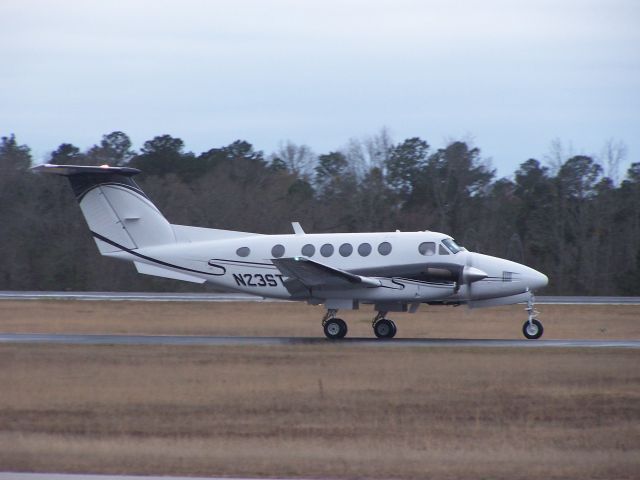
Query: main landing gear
[532,328]
[336,328]
[383,327]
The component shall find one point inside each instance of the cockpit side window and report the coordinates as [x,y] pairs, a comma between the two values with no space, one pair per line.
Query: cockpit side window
[452,245]
[427,248]
[442,250]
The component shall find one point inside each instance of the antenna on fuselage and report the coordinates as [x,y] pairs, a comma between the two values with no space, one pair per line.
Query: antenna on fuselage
[297,228]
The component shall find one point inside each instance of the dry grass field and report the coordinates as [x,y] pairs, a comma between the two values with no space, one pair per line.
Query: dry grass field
[324,410]
[601,322]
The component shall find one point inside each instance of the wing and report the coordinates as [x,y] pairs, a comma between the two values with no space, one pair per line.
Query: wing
[313,274]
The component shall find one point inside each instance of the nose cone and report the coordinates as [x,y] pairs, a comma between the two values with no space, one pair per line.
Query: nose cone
[535,279]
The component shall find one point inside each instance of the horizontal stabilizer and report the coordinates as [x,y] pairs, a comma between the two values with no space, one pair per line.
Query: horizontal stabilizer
[68,170]
[166,273]
[313,274]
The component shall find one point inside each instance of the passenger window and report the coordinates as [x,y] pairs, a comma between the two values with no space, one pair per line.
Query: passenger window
[243,252]
[442,250]
[427,248]
[326,250]
[364,249]
[345,249]
[308,250]
[277,251]
[384,248]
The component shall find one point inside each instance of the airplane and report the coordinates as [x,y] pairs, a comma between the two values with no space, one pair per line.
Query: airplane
[393,271]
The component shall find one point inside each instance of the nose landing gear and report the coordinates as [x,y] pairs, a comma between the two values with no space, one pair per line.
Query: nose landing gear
[532,328]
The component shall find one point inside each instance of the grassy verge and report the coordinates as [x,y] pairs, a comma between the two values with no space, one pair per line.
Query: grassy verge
[294,319]
[320,411]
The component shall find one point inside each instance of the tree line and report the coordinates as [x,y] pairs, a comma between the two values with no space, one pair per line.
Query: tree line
[564,216]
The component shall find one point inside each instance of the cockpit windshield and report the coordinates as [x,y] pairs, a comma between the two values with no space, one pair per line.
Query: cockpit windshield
[452,245]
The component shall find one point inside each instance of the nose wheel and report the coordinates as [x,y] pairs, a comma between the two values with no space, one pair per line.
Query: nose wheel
[334,328]
[532,328]
[383,327]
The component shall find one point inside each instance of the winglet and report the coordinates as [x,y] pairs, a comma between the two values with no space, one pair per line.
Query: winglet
[297,228]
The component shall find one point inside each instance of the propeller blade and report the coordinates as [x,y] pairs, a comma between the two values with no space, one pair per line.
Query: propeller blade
[471,274]
[467,278]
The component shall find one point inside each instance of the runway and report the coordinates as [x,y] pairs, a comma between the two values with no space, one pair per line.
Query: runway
[241,297]
[134,296]
[80,476]
[177,340]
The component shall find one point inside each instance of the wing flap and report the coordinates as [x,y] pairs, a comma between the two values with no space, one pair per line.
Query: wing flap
[313,274]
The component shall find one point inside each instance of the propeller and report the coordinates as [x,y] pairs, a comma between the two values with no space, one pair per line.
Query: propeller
[470,274]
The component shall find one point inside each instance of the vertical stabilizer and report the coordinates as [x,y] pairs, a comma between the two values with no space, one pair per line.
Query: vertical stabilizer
[119,214]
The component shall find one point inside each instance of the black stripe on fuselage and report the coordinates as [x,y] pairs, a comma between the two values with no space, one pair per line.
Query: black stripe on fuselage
[135,189]
[155,260]
[82,183]
[242,262]
[428,284]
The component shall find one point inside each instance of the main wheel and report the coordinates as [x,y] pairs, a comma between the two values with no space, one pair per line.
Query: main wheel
[385,328]
[532,330]
[335,328]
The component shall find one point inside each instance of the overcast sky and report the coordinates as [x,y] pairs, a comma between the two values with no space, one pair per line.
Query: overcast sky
[511,75]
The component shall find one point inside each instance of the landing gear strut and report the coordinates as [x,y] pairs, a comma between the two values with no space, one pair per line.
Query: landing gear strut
[532,328]
[383,327]
[334,328]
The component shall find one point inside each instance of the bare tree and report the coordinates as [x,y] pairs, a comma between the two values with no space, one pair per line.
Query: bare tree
[369,152]
[299,159]
[379,148]
[558,154]
[613,154]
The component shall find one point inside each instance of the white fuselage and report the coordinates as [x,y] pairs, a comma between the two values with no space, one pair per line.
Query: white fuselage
[244,263]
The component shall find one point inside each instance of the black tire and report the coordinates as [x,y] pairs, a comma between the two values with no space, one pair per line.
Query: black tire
[532,330]
[335,329]
[385,328]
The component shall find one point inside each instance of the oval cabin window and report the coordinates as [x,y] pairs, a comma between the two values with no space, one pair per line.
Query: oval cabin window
[364,249]
[277,251]
[308,250]
[384,248]
[326,250]
[345,249]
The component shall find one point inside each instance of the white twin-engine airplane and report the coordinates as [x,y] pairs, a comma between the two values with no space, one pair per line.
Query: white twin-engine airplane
[395,271]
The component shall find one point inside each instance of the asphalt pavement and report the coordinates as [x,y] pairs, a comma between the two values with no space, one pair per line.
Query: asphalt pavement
[241,297]
[94,339]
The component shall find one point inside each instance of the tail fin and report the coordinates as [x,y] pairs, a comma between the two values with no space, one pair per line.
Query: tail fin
[119,214]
